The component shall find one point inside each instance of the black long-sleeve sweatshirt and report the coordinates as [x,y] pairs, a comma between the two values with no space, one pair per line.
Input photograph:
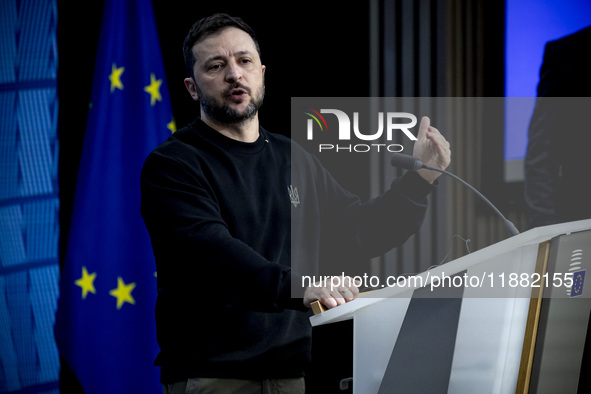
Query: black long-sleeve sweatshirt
[233,227]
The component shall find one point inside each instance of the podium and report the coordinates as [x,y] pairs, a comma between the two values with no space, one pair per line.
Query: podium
[509,318]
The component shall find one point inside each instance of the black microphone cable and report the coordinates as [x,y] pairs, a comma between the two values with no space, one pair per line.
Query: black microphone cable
[412,163]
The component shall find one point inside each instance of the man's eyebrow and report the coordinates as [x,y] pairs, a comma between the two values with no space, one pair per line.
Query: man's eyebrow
[212,58]
[244,52]
[222,57]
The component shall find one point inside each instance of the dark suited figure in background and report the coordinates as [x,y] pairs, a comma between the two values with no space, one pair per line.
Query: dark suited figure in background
[557,169]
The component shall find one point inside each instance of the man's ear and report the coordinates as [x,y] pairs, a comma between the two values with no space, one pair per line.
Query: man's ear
[191,88]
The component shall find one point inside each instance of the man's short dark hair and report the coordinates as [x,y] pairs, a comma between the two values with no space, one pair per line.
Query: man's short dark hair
[208,26]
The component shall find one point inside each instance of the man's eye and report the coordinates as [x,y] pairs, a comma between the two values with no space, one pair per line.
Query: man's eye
[214,67]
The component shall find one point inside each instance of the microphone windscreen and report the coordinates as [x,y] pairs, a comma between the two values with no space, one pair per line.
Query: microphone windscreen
[406,162]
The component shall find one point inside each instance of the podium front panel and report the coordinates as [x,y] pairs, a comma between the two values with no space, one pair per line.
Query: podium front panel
[471,341]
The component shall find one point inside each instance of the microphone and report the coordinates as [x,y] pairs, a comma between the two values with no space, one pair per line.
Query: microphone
[413,164]
[406,162]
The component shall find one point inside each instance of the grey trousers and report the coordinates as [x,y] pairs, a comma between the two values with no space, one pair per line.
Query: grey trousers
[239,386]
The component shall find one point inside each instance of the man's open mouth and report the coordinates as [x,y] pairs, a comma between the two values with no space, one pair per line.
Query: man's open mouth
[237,92]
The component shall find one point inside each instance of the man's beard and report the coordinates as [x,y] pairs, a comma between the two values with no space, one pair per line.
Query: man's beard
[222,113]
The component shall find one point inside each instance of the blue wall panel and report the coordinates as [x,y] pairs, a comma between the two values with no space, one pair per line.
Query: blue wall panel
[29,204]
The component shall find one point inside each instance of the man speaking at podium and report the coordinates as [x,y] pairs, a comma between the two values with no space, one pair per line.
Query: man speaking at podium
[217,203]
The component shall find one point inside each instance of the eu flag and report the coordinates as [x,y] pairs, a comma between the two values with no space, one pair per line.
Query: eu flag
[105,326]
[578,283]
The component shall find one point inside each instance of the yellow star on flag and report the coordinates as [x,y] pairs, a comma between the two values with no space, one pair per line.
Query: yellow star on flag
[115,77]
[123,292]
[154,89]
[171,126]
[86,283]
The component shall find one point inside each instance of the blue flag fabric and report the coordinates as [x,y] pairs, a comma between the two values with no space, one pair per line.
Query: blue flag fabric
[105,328]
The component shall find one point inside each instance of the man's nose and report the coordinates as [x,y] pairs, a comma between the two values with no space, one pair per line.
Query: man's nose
[233,72]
